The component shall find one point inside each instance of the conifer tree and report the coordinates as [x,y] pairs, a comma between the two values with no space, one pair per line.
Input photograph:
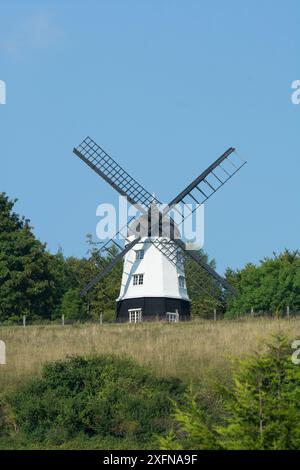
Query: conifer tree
[261,411]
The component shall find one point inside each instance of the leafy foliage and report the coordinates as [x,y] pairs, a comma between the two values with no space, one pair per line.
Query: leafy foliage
[269,287]
[72,306]
[104,396]
[27,285]
[42,286]
[102,297]
[7,424]
[203,301]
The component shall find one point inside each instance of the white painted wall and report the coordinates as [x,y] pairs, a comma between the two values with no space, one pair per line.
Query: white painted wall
[160,274]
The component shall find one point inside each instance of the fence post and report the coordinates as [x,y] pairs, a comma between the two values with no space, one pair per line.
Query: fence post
[24,321]
[215,314]
[63,320]
[252,312]
[288,311]
[101,318]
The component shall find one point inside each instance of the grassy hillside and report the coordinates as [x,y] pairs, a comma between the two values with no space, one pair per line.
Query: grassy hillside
[200,352]
[197,351]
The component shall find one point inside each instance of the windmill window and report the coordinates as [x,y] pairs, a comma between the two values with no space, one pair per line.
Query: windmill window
[139,254]
[138,279]
[181,281]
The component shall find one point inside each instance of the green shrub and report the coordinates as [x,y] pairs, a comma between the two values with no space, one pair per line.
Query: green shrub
[105,396]
[109,315]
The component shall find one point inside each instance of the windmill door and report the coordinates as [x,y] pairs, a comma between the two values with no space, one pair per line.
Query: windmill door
[135,315]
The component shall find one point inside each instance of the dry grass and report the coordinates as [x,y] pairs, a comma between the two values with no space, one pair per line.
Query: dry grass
[195,351]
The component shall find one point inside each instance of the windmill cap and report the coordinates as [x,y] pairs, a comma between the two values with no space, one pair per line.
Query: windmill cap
[152,224]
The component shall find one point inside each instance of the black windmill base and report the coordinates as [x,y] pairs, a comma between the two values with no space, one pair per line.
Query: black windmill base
[153,308]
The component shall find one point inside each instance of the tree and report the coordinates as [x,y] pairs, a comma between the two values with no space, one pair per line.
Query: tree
[269,287]
[263,407]
[203,301]
[26,283]
[192,428]
[102,298]
[260,411]
[72,305]
[63,280]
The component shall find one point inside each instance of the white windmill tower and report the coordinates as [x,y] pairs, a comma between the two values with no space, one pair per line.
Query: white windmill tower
[152,285]
[155,258]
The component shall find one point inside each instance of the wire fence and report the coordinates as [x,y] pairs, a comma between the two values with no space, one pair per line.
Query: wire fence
[25,321]
[254,315]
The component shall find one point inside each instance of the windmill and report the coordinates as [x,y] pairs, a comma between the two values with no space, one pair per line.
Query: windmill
[156,261]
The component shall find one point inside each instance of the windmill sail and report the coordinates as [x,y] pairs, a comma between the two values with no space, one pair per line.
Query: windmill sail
[109,266]
[175,251]
[202,188]
[219,279]
[212,179]
[199,191]
[106,167]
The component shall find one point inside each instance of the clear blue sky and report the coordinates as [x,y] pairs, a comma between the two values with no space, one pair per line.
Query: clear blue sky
[165,87]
